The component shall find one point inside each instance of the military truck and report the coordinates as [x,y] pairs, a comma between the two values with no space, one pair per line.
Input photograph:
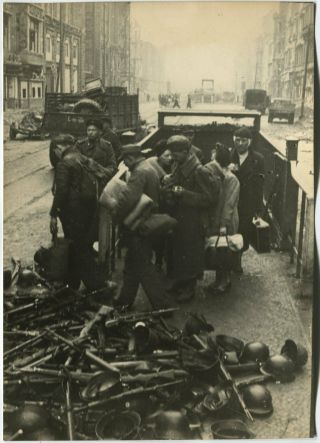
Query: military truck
[67,113]
[256,99]
[281,108]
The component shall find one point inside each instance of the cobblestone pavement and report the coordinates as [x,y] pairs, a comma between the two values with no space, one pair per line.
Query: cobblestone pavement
[263,304]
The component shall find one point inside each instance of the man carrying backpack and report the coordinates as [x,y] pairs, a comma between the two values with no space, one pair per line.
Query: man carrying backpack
[77,186]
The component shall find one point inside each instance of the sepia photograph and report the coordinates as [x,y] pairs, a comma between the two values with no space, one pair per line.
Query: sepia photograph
[159,253]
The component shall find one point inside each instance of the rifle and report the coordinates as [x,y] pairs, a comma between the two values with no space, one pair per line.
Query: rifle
[130,393]
[139,316]
[228,378]
[75,346]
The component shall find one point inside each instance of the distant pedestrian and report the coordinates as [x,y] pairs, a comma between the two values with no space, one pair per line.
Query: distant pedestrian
[189,102]
[176,103]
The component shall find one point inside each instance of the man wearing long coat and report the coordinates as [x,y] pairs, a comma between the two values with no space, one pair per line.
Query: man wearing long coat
[192,192]
[249,169]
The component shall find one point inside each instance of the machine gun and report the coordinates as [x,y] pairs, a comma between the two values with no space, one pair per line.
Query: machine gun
[139,316]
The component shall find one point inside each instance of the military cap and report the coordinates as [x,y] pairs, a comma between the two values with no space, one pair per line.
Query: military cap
[178,143]
[243,132]
[64,139]
[94,122]
[131,149]
[160,147]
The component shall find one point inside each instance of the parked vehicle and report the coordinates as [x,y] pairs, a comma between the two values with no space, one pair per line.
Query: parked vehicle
[67,113]
[30,126]
[228,97]
[281,108]
[209,127]
[256,99]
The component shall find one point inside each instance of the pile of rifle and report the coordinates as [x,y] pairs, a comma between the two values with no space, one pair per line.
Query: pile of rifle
[70,362]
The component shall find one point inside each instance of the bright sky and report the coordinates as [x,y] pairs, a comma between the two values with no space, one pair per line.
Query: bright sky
[201,39]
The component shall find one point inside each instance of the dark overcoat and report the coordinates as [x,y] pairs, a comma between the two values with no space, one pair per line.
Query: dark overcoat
[102,152]
[191,210]
[251,177]
[76,215]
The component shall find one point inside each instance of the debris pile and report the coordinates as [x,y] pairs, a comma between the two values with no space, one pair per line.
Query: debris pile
[78,369]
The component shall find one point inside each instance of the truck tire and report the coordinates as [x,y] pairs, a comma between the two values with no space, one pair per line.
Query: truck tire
[52,155]
[291,119]
[270,117]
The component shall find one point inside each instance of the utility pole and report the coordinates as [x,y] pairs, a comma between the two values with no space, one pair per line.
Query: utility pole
[61,61]
[104,53]
[129,54]
[308,37]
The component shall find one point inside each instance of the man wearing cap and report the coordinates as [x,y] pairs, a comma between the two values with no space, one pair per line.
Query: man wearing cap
[98,149]
[192,191]
[138,268]
[162,159]
[110,136]
[75,214]
[249,169]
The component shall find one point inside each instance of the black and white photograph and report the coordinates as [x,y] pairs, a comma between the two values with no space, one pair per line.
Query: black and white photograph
[159,258]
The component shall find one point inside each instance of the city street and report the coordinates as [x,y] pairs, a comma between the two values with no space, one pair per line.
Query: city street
[257,308]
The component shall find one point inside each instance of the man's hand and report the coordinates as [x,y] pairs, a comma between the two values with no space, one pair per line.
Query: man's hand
[223,230]
[54,225]
[178,190]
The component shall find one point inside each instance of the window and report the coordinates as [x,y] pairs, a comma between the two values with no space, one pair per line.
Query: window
[55,12]
[58,49]
[33,35]
[33,92]
[48,43]
[39,92]
[6,31]
[24,93]
[75,51]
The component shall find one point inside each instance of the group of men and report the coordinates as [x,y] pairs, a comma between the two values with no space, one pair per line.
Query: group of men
[188,193]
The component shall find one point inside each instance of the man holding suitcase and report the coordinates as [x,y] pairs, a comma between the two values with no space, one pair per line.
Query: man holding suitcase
[249,169]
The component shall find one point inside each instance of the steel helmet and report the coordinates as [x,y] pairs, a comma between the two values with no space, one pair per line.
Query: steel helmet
[27,278]
[255,351]
[29,418]
[230,429]
[280,367]
[172,425]
[258,400]
[296,352]
[230,344]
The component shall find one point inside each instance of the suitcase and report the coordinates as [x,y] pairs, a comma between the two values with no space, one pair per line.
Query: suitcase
[260,235]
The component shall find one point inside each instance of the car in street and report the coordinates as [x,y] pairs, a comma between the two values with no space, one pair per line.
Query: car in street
[281,108]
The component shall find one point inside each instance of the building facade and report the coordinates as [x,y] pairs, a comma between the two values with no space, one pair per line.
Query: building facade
[147,67]
[32,48]
[107,44]
[23,51]
[285,53]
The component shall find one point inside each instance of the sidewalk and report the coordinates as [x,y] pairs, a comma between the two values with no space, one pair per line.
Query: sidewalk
[263,305]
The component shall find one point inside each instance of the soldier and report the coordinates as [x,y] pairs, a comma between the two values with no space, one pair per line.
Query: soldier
[192,191]
[139,268]
[110,136]
[98,149]
[249,169]
[76,213]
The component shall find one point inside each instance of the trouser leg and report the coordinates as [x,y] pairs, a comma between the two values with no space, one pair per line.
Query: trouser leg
[130,283]
[140,269]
